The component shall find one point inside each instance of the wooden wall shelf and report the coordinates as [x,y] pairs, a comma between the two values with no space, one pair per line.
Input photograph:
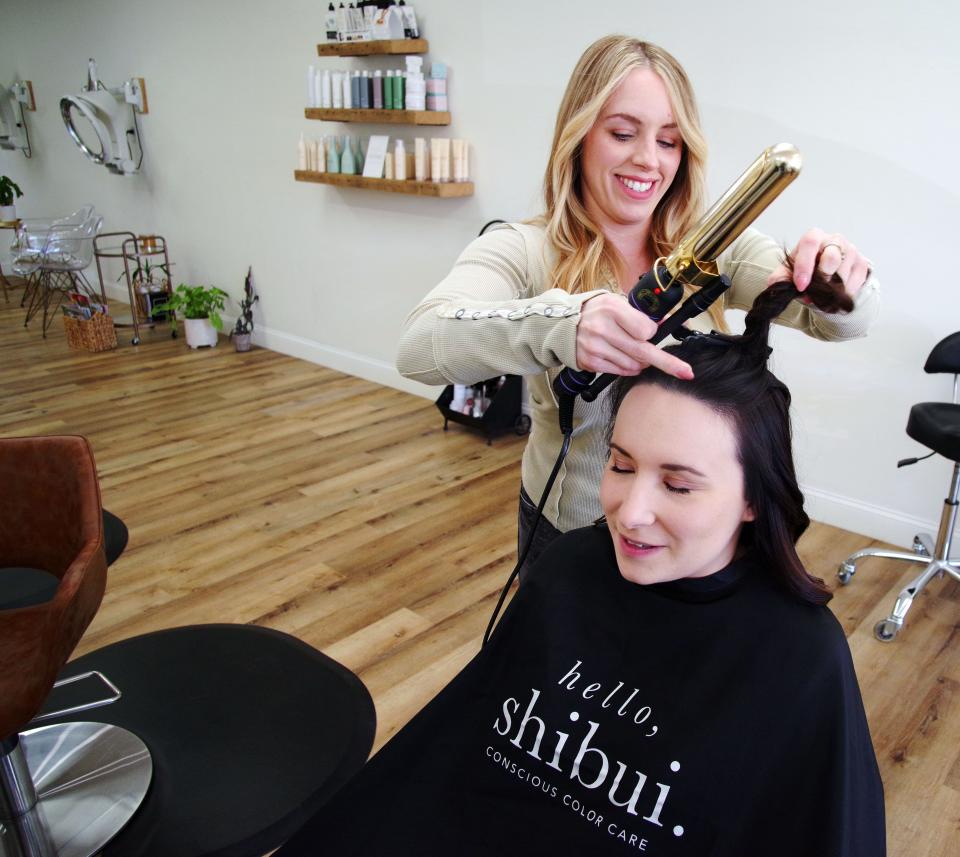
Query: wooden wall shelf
[392,117]
[438,189]
[366,49]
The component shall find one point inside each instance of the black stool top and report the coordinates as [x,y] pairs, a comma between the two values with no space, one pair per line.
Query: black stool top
[115,536]
[26,587]
[250,729]
[937,426]
[945,356]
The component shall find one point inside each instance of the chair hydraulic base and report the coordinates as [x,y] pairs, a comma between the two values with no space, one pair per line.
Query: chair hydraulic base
[67,790]
[935,558]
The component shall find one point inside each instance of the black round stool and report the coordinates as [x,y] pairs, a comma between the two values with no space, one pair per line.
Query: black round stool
[250,731]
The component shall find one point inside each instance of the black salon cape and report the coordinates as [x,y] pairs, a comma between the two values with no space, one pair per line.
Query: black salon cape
[727,711]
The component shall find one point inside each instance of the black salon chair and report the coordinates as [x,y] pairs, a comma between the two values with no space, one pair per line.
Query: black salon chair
[212,740]
[937,426]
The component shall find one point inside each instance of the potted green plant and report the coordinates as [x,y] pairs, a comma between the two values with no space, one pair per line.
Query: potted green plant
[9,191]
[201,307]
[243,329]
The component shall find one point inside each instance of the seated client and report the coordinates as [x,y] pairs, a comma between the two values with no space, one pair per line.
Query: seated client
[668,681]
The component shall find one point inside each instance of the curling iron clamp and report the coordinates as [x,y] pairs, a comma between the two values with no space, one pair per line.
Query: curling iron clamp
[693,262]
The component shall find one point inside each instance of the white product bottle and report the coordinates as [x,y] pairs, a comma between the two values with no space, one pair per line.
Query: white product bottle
[399,161]
[410,28]
[302,154]
[347,92]
[337,81]
[326,98]
[331,23]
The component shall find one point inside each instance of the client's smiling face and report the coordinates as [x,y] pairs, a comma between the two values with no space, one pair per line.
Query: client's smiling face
[673,489]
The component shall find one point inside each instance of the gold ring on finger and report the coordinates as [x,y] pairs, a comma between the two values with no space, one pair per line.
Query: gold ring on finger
[843,253]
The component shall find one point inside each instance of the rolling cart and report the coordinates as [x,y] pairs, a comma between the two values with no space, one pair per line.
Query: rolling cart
[139,254]
[503,413]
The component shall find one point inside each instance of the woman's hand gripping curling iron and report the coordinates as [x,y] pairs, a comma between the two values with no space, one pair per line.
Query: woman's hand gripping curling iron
[612,338]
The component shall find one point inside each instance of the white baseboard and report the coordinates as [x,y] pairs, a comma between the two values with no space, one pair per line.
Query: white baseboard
[349,362]
[877,522]
[887,525]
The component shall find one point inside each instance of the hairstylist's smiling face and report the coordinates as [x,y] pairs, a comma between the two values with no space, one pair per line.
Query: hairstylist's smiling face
[631,154]
[673,489]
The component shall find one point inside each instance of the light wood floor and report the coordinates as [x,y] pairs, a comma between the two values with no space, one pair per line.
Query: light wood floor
[263,489]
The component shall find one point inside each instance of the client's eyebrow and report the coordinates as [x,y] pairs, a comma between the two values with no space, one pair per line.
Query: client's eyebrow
[675,468]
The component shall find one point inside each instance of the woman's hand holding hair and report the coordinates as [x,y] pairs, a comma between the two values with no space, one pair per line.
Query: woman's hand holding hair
[829,252]
[612,338]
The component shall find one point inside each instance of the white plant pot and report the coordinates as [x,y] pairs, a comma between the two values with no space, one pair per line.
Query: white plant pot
[8,213]
[200,333]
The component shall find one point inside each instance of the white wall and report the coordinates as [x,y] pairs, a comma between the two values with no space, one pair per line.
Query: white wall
[866,90]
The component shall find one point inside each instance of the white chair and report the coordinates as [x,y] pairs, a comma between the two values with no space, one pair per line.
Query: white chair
[27,248]
[67,252]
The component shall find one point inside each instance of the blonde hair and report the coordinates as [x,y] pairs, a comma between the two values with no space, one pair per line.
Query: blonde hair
[585,259]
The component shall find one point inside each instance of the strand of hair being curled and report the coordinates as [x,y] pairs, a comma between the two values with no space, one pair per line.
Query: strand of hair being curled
[732,378]
[825,294]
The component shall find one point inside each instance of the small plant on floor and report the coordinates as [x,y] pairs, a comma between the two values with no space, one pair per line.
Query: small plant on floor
[244,323]
[196,302]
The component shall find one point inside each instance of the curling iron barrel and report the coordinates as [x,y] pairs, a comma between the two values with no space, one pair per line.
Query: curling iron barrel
[693,262]
[694,259]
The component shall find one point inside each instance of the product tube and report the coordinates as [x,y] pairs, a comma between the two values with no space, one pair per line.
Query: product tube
[348,165]
[400,161]
[337,86]
[399,90]
[355,89]
[369,15]
[445,159]
[359,157]
[377,89]
[435,159]
[410,28]
[456,154]
[320,155]
[331,23]
[364,84]
[388,90]
[326,98]
[388,165]
[420,159]
[347,90]
[333,156]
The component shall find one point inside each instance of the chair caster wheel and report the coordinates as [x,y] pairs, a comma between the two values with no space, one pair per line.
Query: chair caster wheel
[885,630]
[918,547]
[845,572]
[521,425]
[135,340]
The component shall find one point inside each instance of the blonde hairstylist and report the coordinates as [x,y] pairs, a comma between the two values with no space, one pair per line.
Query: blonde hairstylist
[625,180]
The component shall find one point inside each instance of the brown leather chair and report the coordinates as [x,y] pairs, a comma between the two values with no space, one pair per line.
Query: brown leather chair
[51,527]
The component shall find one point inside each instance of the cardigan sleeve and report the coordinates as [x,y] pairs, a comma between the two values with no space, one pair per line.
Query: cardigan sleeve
[491,315]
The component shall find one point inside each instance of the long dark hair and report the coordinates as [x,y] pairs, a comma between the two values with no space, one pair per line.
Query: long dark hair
[732,378]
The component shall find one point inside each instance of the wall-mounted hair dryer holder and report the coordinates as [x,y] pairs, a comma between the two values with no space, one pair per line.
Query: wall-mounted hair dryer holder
[13,124]
[112,112]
